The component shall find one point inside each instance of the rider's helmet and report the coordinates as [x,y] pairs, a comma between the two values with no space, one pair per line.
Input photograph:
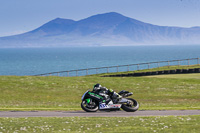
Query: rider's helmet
[96,87]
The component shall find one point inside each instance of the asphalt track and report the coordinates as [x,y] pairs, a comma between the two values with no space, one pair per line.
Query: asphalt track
[97,114]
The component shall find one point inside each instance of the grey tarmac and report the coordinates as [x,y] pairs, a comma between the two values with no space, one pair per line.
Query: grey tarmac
[97,114]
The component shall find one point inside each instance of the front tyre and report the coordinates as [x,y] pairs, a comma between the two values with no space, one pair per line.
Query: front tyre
[131,106]
[89,107]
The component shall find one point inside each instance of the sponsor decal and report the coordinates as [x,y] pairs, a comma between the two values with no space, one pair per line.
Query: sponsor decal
[103,106]
[115,106]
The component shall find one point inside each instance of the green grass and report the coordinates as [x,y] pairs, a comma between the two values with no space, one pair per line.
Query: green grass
[178,124]
[165,92]
[179,76]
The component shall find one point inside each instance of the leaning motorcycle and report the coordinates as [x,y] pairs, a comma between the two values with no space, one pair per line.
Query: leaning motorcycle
[91,102]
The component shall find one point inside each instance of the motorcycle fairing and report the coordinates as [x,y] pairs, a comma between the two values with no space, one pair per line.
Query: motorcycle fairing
[110,106]
[123,100]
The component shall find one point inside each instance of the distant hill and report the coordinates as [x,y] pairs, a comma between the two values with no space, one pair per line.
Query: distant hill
[109,29]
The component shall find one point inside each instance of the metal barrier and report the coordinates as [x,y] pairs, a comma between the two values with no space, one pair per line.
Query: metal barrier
[123,68]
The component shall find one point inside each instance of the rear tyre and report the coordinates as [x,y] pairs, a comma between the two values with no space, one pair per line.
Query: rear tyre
[89,107]
[131,106]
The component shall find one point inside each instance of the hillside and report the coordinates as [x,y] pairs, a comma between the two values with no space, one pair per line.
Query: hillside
[168,92]
[109,29]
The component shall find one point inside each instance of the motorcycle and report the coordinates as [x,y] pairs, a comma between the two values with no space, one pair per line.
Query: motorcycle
[91,102]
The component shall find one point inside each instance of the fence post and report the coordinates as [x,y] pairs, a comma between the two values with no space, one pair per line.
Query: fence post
[67,73]
[158,64]
[168,64]
[148,66]
[86,71]
[107,69]
[117,69]
[128,68]
[138,66]
[96,70]
[178,63]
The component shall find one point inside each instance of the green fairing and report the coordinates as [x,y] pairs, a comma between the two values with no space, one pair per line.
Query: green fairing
[88,100]
[95,95]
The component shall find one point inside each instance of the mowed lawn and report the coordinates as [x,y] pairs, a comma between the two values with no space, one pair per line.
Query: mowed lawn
[152,124]
[163,92]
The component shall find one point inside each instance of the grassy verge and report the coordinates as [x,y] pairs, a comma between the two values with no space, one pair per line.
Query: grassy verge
[64,93]
[154,69]
[178,124]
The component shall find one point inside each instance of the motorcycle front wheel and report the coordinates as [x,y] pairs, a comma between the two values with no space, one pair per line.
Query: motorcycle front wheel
[89,107]
[131,106]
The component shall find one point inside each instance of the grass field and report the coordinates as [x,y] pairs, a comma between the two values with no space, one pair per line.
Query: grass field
[165,92]
[172,124]
[178,76]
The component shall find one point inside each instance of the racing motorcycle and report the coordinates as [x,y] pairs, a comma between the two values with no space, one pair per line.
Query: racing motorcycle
[91,102]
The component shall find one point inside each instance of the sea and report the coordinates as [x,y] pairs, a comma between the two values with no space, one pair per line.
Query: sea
[33,61]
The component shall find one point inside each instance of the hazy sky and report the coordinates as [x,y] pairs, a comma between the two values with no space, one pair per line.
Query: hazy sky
[18,16]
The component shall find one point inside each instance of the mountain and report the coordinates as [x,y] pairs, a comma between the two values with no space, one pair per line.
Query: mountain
[109,29]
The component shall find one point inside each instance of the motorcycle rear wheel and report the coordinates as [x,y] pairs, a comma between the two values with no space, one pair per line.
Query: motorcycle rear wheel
[91,107]
[132,106]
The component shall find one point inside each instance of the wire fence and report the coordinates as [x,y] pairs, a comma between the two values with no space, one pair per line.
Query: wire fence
[124,68]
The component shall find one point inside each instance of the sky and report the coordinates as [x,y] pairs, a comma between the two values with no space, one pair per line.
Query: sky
[19,16]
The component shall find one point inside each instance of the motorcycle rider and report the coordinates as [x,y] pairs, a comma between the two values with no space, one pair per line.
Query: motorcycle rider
[107,94]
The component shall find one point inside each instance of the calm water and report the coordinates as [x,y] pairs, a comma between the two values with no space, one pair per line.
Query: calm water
[30,61]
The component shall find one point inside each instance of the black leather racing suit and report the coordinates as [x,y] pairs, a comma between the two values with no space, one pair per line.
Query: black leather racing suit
[107,94]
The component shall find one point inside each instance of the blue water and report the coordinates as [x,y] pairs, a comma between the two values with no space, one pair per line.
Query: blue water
[31,61]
